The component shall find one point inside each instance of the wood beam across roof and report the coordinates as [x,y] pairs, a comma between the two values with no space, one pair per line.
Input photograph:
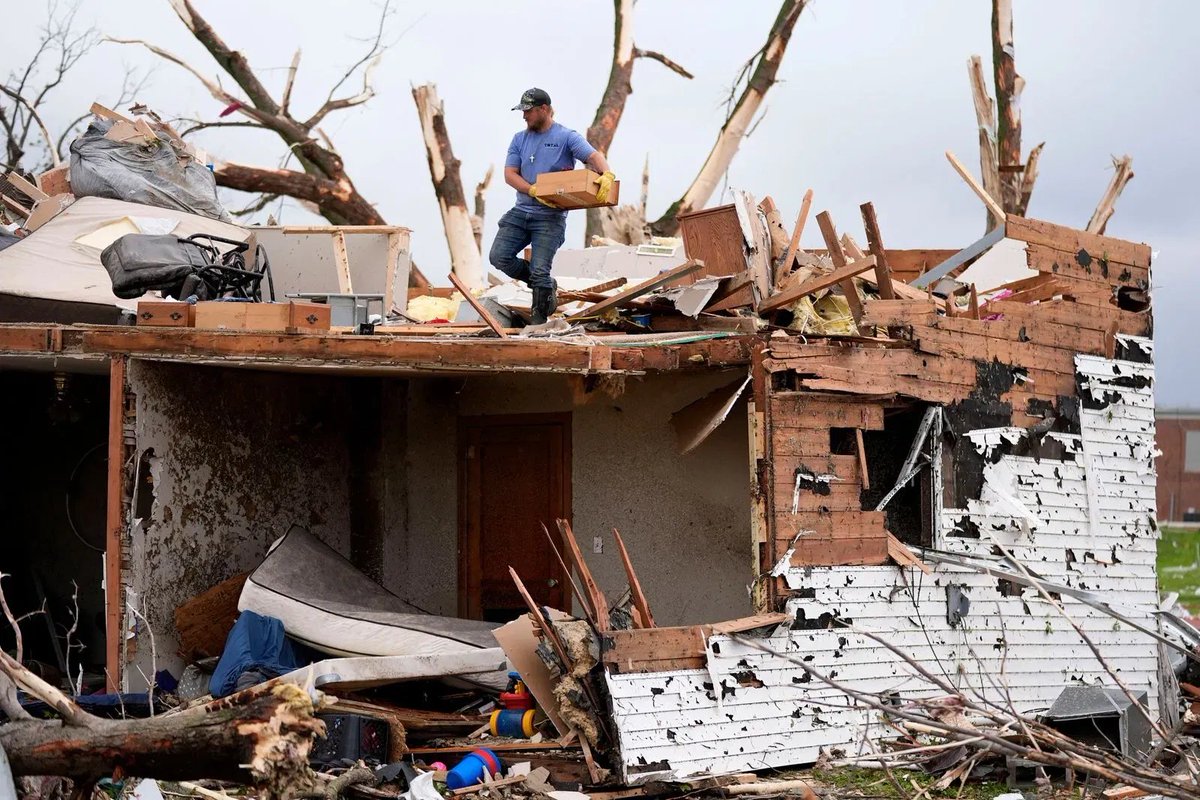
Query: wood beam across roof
[409,354]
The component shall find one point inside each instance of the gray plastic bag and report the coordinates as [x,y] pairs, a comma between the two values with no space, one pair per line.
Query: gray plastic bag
[151,174]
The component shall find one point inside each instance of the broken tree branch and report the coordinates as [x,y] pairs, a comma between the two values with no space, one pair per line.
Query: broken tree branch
[330,196]
[291,80]
[604,125]
[1123,174]
[327,185]
[662,59]
[766,67]
[989,164]
[264,742]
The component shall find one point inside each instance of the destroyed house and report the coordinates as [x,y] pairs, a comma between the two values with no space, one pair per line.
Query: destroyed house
[961,487]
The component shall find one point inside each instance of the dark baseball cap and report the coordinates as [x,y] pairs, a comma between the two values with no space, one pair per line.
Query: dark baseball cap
[531,98]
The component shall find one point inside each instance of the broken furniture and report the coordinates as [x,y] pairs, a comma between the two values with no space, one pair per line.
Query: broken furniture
[351,259]
[347,310]
[1104,717]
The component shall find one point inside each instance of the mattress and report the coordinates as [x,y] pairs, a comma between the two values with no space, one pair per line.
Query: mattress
[327,603]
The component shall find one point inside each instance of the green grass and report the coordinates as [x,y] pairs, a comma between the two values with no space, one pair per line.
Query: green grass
[859,781]
[1179,565]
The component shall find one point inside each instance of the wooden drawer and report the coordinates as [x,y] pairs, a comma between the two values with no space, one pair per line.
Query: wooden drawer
[166,313]
[291,317]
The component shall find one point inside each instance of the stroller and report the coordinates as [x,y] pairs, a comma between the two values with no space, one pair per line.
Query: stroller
[200,267]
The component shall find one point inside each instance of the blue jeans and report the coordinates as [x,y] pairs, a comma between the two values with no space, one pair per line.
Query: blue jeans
[519,229]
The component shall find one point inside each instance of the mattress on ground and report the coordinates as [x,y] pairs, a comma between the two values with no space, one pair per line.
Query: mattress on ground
[325,602]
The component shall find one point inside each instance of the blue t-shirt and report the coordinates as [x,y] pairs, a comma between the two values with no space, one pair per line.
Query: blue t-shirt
[553,151]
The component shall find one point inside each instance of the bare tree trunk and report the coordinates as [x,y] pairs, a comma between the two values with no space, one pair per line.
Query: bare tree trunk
[989,165]
[612,105]
[1104,211]
[447,185]
[734,130]
[1008,105]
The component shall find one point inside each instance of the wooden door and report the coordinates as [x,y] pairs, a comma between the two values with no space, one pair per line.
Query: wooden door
[514,477]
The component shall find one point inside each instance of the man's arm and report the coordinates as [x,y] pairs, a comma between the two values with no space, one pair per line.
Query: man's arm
[597,162]
[512,176]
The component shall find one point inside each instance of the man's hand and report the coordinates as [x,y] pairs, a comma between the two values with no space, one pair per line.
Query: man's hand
[605,181]
[533,193]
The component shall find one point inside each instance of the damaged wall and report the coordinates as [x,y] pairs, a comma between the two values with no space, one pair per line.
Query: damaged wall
[626,473]
[1083,518]
[236,457]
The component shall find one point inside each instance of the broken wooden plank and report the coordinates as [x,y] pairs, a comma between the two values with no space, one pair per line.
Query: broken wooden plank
[989,201]
[801,218]
[482,311]
[579,595]
[654,649]
[899,313]
[541,621]
[898,551]
[28,189]
[15,206]
[1084,266]
[829,232]
[744,624]
[840,550]
[607,286]
[883,273]
[108,113]
[817,283]
[635,587]
[645,287]
[1060,237]
[864,477]
[814,410]
[758,243]
[596,597]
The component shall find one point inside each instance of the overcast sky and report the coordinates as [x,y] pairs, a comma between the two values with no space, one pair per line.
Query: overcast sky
[871,94]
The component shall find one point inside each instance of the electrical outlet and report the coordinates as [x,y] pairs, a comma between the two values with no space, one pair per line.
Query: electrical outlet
[597,544]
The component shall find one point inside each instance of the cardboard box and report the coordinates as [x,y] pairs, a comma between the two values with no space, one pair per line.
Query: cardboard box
[291,317]
[166,314]
[575,189]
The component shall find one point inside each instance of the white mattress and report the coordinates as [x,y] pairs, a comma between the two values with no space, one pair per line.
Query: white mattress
[325,602]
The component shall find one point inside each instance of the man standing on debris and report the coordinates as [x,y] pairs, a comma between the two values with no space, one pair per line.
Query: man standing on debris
[544,146]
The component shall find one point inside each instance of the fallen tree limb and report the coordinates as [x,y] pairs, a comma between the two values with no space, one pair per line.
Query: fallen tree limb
[264,742]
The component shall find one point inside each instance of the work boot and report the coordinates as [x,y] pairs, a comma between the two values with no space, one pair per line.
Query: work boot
[542,298]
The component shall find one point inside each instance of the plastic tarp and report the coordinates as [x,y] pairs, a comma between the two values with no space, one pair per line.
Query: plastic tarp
[61,259]
[325,602]
[255,643]
[150,174]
